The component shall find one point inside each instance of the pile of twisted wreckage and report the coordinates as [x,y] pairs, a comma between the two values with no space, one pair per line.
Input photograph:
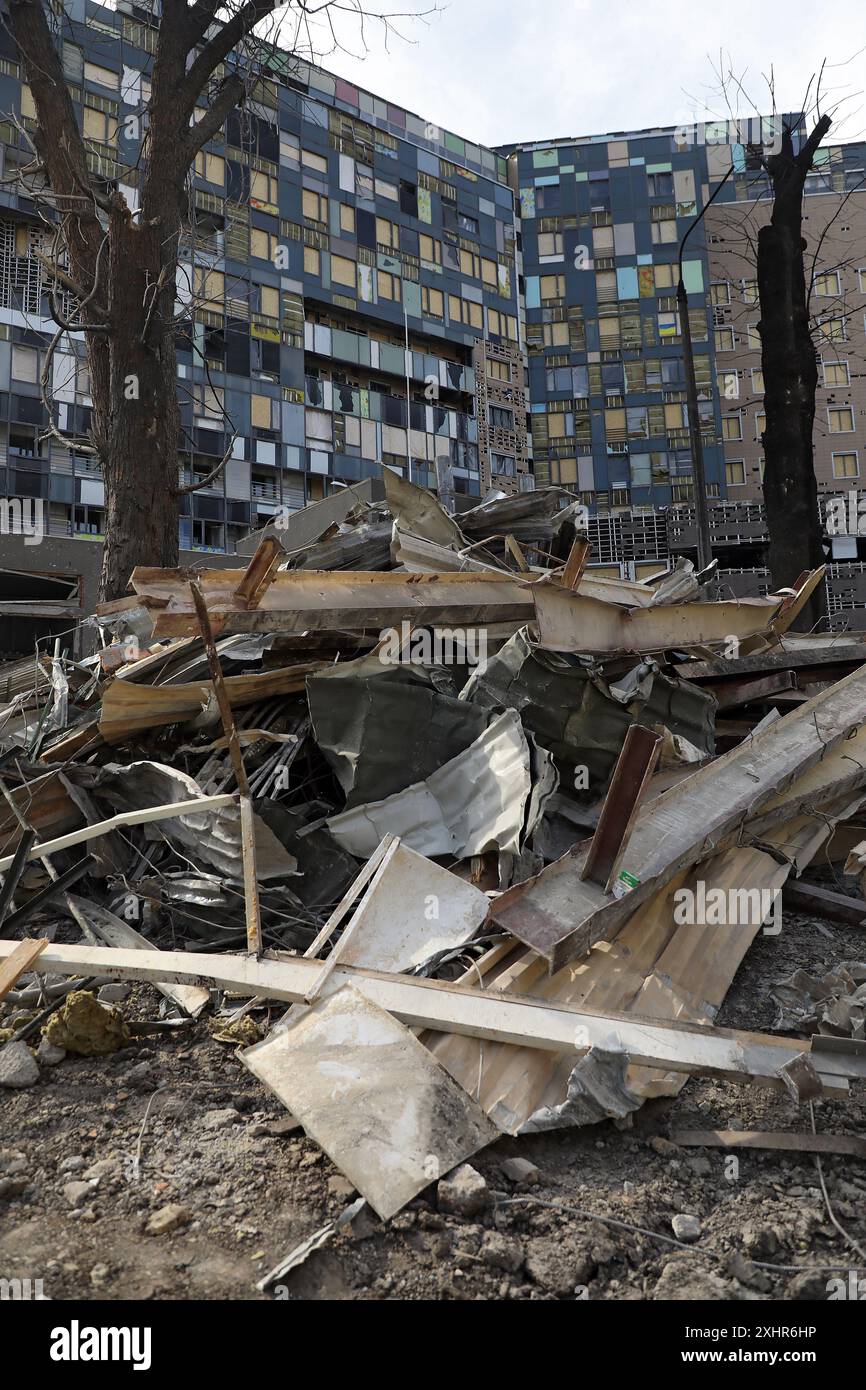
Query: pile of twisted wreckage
[474,812]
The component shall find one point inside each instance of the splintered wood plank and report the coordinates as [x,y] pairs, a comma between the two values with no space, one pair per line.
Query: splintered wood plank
[560,914]
[19,961]
[259,571]
[372,1096]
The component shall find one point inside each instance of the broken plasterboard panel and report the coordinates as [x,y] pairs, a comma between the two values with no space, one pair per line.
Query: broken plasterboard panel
[372,1096]
[413,911]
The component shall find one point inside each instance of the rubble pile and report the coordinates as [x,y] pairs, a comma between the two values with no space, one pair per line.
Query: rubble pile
[492,828]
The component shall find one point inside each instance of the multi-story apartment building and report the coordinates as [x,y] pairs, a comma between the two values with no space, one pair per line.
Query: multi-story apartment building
[602,221]
[359,287]
[348,287]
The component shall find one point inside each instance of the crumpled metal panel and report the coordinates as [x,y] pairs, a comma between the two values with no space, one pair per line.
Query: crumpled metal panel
[212,838]
[580,710]
[381,733]
[476,802]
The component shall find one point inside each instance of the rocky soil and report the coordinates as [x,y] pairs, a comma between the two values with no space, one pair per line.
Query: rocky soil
[166,1171]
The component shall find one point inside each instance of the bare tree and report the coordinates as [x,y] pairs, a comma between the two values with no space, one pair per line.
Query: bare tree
[118,267]
[776,249]
[789,362]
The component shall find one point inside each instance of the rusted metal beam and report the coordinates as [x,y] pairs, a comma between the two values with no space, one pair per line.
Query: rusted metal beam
[730,694]
[634,767]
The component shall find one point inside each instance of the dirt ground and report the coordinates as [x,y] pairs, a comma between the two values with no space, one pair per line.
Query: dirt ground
[178,1120]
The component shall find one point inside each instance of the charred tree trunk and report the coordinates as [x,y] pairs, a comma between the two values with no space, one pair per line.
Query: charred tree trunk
[790,366]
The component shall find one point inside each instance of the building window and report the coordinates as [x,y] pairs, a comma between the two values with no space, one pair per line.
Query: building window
[757,382]
[501,418]
[431,249]
[832,330]
[344,271]
[735,473]
[25,364]
[210,167]
[845,466]
[263,245]
[827,283]
[499,371]
[720,293]
[388,285]
[97,125]
[550,243]
[432,302]
[732,427]
[841,419]
[753,338]
[660,185]
[312,265]
[103,77]
[861,280]
[314,161]
[552,289]
[724,340]
[836,373]
[315,207]
[750,291]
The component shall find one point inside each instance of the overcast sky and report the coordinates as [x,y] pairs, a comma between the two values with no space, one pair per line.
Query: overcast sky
[500,70]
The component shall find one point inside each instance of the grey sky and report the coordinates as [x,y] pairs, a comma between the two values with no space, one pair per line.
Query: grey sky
[500,70]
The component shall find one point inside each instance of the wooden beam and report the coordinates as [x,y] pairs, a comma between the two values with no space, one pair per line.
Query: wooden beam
[748,1058]
[823,902]
[18,961]
[850,1144]
[576,563]
[259,572]
[634,767]
[316,600]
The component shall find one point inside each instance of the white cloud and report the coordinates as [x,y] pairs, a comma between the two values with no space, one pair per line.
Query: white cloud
[512,70]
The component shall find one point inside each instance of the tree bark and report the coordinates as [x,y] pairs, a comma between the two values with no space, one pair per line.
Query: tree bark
[790,367]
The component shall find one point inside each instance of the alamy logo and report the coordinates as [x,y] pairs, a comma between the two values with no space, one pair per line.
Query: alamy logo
[23,516]
[846,514]
[21,1290]
[852,1288]
[440,647]
[77,1343]
[729,907]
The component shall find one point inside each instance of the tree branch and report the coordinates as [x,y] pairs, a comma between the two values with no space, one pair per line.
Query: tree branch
[242,23]
[229,95]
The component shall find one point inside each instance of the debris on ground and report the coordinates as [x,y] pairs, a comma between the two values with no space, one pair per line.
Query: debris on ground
[451,839]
